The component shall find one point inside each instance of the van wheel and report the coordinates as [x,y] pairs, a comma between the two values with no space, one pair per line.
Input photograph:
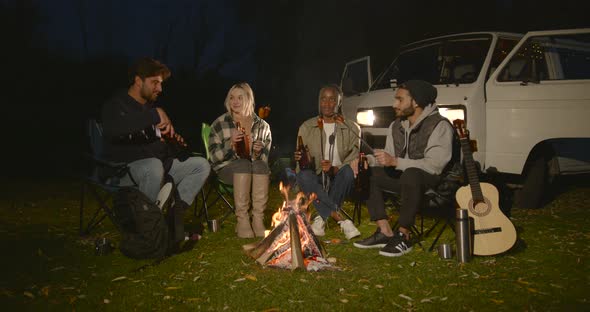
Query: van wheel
[535,190]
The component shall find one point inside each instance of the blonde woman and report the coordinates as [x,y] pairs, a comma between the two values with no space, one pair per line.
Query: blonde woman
[249,171]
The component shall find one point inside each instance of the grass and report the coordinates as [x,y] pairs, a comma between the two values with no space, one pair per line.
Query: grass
[46,266]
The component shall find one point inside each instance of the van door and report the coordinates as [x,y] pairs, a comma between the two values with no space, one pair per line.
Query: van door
[540,94]
[356,80]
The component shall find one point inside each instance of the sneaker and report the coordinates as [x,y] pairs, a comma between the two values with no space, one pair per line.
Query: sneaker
[377,240]
[164,196]
[397,246]
[350,231]
[318,226]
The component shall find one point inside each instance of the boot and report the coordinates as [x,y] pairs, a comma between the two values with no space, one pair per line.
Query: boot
[259,200]
[242,186]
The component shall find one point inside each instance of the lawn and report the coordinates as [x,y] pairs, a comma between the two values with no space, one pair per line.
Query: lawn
[47,266]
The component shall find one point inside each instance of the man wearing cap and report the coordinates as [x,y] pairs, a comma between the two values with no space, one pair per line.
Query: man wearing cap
[417,149]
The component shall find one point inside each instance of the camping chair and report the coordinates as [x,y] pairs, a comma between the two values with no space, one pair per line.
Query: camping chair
[217,187]
[102,177]
[436,206]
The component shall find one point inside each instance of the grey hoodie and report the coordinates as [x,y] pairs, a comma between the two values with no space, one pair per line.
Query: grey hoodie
[438,150]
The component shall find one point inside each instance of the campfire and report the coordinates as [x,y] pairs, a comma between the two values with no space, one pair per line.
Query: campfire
[291,243]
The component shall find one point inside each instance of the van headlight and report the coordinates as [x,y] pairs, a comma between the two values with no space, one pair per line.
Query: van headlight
[453,112]
[365,118]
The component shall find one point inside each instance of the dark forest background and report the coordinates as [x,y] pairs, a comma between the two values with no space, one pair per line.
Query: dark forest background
[56,73]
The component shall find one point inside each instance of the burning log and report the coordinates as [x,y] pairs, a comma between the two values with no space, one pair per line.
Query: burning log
[291,243]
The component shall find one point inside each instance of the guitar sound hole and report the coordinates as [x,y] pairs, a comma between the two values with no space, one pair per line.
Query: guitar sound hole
[480,209]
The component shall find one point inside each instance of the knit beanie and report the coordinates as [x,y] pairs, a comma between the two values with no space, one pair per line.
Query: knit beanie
[423,92]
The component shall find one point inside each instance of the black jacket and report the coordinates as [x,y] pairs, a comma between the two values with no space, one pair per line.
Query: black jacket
[128,130]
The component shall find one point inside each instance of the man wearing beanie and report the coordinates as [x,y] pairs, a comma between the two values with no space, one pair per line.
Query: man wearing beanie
[418,147]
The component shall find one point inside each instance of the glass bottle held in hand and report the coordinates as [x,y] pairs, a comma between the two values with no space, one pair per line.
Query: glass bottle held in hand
[361,184]
[243,146]
[305,160]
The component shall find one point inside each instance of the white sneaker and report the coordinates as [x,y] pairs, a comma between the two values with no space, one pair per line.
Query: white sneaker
[164,196]
[318,226]
[350,231]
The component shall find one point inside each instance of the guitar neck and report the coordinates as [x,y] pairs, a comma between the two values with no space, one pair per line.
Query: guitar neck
[472,172]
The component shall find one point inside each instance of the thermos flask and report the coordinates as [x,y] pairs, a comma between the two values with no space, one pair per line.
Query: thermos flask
[463,233]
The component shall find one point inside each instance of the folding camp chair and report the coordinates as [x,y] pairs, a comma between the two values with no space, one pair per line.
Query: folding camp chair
[101,179]
[437,207]
[217,189]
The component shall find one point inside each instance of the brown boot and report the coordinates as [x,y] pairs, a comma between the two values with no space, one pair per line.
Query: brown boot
[242,186]
[259,200]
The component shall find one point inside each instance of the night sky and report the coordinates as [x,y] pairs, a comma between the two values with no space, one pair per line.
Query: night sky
[63,58]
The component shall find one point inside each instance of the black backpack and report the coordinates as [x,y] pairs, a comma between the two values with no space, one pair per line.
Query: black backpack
[144,229]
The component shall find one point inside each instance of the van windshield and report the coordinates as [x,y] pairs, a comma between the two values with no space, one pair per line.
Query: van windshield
[451,60]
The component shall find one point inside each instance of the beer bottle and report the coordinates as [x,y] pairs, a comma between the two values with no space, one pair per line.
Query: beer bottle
[305,161]
[361,184]
[242,147]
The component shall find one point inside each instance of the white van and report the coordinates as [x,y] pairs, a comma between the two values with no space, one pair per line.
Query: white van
[525,99]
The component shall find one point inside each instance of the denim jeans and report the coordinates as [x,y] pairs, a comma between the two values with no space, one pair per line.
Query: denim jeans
[341,185]
[189,176]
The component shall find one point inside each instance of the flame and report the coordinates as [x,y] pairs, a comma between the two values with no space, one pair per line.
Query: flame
[264,112]
[278,246]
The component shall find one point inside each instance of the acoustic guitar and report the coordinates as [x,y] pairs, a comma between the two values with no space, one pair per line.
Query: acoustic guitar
[493,233]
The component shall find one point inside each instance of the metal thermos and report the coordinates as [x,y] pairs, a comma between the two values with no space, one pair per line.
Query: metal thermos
[463,234]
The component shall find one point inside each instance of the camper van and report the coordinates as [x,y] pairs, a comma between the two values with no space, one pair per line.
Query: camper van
[525,100]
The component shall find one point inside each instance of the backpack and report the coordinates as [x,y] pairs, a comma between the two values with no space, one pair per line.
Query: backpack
[144,229]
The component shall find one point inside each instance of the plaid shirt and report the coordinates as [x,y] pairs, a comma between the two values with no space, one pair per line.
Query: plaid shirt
[220,146]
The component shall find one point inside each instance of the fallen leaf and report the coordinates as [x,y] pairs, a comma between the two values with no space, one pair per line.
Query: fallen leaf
[295,301]
[532,290]
[344,300]
[379,286]
[107,301]
[241,279]
[120,278]
[45,291]
[173,288]
[406,297]
[413,263]
[57,269]
[496,301]
[519,280]
[250,277]
[196,278]
[29,294]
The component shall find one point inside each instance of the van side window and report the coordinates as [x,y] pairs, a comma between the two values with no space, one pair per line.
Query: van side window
[550,58]
[501,50]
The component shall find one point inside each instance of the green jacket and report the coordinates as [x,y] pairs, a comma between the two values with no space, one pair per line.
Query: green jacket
[347,138]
